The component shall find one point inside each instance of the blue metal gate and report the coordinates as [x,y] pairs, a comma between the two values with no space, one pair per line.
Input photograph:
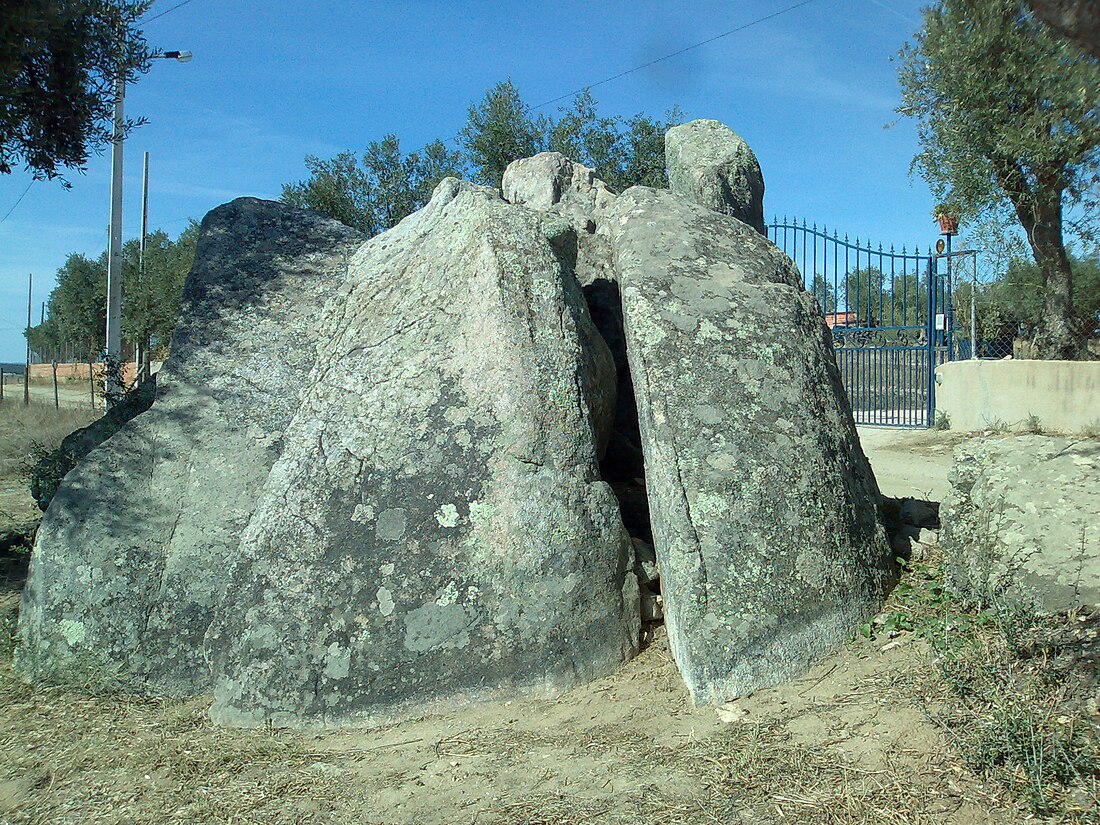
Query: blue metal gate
[888,312]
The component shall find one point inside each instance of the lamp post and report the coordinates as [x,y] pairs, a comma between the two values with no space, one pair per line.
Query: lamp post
[112,389]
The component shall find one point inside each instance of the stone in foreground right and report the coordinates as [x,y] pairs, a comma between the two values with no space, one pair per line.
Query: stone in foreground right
[764,510]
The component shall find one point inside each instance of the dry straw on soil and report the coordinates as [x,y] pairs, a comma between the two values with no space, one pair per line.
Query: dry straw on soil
[905,725]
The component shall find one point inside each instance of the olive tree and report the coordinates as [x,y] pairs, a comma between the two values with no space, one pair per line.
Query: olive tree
[58,63]
[1008,116]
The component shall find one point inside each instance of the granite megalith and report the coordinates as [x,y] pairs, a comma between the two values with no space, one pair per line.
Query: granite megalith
[712,165]
[765,514]
[435,528]
[763,509]
[133,552]
[467,458]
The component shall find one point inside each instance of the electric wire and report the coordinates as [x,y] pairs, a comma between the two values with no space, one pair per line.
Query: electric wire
[149,20]
[25,191]
[678,52]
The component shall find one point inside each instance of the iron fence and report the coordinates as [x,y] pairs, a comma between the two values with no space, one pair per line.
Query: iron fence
[886,310]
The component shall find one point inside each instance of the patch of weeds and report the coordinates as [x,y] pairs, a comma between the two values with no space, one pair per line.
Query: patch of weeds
[942,421]
[44,470]
[997,425]
[8,619]
[1033,424]
[1001,686]
[1042,752]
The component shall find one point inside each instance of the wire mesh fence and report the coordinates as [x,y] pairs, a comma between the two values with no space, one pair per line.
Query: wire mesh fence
[995,311]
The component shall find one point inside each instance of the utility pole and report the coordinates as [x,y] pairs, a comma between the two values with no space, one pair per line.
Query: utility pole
[27,371]
[140,354]
[114,245]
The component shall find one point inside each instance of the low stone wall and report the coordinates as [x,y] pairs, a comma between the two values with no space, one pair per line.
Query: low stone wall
[1054,396]
[79,371]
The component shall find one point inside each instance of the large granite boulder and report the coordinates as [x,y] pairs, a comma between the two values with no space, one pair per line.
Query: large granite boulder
[51,469]
[765,513]
[382,476]
[552,184]
[436,529]
[133,553]
[712,165]
[1020,521]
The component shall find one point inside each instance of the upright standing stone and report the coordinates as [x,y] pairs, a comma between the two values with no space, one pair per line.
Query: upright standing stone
[712,165]
[436,529]
[765,512]
[134,550]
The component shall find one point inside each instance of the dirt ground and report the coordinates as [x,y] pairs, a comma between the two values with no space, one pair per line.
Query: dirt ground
[853,741]
[843,744]
[912,463]
[72,394]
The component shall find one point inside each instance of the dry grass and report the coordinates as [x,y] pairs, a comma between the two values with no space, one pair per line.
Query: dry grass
[67,757]
[23,430]
[21,427]
[1014,691]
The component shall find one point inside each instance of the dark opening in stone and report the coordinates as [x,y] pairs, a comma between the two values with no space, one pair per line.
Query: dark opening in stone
[623,466]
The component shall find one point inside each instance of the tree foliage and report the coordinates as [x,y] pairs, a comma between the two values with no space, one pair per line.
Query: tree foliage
[151,294]
[151,298]
[1016,297]
[1008,116]
[623,152]
[499,130]
[375,192]
[58,64]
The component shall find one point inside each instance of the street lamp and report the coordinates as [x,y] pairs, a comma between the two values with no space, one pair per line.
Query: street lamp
[112,388]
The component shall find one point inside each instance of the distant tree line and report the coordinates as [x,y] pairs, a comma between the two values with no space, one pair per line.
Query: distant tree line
[75,326]
[371,192]
[376,190]
[1008,306]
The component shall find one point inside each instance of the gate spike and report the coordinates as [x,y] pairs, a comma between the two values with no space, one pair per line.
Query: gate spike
[880,247]
[815,226]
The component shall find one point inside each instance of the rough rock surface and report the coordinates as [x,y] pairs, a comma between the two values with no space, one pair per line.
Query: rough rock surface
[552,184]
[1021,520]
[52,468]
[436,527]
[134,550]
[765,513]
[550,179]
[712,165]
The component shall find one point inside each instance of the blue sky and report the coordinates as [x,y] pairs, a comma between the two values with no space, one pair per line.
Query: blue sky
[812,91]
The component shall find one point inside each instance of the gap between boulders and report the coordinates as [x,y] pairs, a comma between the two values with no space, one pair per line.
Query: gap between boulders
[622,465]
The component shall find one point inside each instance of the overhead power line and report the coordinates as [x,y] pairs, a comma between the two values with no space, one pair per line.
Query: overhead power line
[25,191]
[678,52]
[456,138]
[149,20]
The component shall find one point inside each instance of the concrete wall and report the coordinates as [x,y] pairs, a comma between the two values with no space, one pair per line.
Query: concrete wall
[978,395]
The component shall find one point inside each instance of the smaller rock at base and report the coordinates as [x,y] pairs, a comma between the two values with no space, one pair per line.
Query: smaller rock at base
[645,562]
